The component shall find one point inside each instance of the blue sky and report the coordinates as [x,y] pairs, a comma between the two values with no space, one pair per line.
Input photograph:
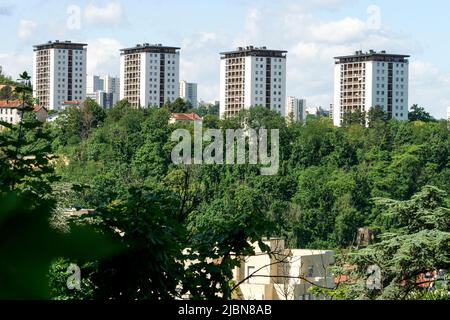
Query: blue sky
[313,31]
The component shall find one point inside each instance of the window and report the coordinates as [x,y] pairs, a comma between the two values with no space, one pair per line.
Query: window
[250,270]
[310,272]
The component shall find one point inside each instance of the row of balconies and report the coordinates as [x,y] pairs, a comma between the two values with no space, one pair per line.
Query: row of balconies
[235,60]
[234,75]
[236,67]
[236,80]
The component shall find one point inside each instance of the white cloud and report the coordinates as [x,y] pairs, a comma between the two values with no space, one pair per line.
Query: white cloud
[111,14]
[429,87]
[200,62]
[26,29]
[308,6]
[340,31]
[104,56]
[14,64]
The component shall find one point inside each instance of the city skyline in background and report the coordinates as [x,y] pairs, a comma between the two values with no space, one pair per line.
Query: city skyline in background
[313,32]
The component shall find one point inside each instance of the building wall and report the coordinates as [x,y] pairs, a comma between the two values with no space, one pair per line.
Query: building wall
[286,275]
[296,107]
[381,83]
[10,115]
[157,79]
[122,78]
[337,115]
[188,92]
[94,83]
[222,95]
[244,81]
[52,84]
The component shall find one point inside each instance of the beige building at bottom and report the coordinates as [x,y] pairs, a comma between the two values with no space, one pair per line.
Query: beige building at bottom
[287,274]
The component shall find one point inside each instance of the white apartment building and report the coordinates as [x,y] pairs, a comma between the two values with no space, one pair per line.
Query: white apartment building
[296,108]
[188,91]
[149,75]
[365,80]
[59,70]
[252,76]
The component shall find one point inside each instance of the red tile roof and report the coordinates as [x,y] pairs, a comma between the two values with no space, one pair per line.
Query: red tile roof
[186,116]
[18,104]
[10,103]
[70,103]
[37,108]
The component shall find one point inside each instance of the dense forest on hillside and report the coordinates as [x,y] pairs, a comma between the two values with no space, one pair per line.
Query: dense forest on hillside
[155,214]
[324,189]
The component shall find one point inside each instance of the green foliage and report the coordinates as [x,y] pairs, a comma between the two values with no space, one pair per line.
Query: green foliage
[354,118]
[6,93]
[419,114]
[166,217]
[207,109]
[178,106]
[415,240]
[28,244]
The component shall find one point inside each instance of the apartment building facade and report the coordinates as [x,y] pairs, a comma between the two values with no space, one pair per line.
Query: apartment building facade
[252,76]
[296,108]
[149,75]
[188,91]
[59,73]
[365,80]
[286,274]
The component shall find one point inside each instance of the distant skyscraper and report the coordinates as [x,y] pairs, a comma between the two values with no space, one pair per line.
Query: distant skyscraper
[94,84]
[105,90]
[59,70]
[252,76]
[296,108]
[149,75]
[365,80]
[112,87]
[188,91]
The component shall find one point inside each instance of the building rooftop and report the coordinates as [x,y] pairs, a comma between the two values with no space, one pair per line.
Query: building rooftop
[72,103]
[10,103]
[60,45]
[186,116]
[254,51]
[13,104]
[373,56]
[146,47]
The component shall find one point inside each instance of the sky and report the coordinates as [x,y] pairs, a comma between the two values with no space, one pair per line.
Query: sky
[313,31]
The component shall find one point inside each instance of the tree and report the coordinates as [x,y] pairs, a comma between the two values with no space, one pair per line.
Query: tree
[6,93]
[355,117]
[28,243]
[419,114]
[178,106]
[415,240]
[377,117]
[150,266]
